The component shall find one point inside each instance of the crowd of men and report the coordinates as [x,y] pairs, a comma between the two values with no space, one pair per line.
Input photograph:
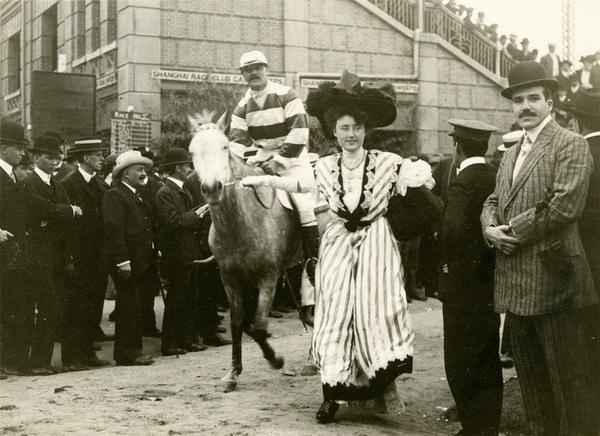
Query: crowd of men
[64,231]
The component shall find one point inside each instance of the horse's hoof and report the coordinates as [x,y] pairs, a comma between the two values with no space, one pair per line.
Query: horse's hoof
[229,386]
[309,369]
[277,363]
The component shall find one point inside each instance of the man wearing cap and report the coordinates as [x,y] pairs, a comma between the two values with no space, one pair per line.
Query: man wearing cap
[551,61]
[471,328]
[179,225]
[88,286]
[129,247]
[542,278]
[585,76]
[526,53]
[272,118]
[53,252]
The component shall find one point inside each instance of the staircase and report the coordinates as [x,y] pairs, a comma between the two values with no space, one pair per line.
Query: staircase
[440,21]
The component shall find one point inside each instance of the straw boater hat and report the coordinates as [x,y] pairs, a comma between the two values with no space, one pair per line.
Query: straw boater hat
[377,100]
[509,139]
[128,158]
[46,144]
[84,146]
[526,74]
[12,133]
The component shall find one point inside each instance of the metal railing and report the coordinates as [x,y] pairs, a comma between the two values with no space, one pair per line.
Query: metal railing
[442,22]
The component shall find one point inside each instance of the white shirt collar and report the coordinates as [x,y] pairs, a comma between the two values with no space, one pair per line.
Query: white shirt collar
[6,167]
[130,187]
[177,182]
[87,176]
[534,133]
[471,161]
[44,176]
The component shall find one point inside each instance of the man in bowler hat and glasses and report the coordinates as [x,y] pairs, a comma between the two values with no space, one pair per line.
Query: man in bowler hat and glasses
[129,246]
[542,278]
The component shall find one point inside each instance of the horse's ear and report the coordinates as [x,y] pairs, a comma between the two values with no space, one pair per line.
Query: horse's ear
[222,122]
[194,125]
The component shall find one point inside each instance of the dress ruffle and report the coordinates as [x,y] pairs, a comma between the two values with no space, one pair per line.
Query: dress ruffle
[414,174]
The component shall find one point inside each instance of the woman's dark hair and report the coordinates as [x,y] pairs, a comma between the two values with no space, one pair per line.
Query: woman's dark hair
[336,112]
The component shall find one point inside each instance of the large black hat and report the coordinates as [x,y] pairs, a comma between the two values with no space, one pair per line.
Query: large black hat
[56,134]
[84,146]
[526,74]
[176,156]
[12,133]
[377,100]
[46,144]
[585,104]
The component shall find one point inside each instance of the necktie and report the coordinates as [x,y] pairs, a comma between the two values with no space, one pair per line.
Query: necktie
[525,149]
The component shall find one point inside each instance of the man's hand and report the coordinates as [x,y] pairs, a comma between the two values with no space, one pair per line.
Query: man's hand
[125,271]
[77,210]
[502,238]
[272,167]
[202,210]
[5,235]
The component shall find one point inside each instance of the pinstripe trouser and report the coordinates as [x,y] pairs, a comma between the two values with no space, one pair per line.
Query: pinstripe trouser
[555,369]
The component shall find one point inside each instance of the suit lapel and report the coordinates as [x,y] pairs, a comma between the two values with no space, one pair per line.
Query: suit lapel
[86,186]
[538,150]
[49,191]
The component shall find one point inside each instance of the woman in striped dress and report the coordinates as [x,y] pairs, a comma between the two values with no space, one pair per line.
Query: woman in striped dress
[363,334]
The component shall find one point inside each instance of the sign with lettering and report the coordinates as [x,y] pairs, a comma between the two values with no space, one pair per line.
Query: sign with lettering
[198,76]
[106,80]
[399,87]
[130,130]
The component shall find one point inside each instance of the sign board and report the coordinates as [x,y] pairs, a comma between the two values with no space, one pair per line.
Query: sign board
[399,87]
[130,130]
[200,76]
[63,102]
[106,80]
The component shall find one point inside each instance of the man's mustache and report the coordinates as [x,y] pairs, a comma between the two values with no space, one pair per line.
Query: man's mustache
[527,113]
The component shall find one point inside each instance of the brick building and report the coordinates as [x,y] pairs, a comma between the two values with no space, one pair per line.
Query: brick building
[140,50]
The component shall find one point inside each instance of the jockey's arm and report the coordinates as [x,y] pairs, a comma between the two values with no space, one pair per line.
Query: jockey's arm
[289,184]
[296,122]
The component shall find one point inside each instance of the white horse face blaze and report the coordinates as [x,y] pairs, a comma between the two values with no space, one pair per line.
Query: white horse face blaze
[210,154]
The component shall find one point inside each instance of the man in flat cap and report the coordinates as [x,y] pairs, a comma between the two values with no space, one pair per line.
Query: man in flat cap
[52,251]
[128,241]
[542,279]
[88,286]
[471,328]
[272,118]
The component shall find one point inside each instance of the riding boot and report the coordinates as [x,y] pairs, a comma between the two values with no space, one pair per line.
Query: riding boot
[311,239]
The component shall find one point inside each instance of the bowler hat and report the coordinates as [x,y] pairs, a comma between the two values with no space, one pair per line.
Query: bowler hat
[56,134]
[585,104]
[46,144]
[128,158]
[253,58]
[176,156]
[525,41]
[589,58]
[526,74]
[84,146]
[377,100]
[12,133]
[472,130]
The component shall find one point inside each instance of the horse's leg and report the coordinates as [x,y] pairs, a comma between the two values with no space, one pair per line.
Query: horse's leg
[309,367]
[234,294]
[266,293]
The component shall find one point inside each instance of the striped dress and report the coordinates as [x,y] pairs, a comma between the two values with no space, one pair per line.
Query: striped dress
[363,334]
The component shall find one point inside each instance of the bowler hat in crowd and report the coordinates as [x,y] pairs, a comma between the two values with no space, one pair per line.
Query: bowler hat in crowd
[589,59]
[12,133]
[526,74]
[472,130]
[585,104]
[46,144]
[84,146]
[128,158]
[377,100]
[176,156]
[56,134]
[254,57]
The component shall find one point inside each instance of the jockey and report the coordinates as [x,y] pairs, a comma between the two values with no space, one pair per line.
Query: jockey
[271,118]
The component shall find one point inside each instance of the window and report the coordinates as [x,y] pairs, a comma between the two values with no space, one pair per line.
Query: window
[14,63]
[50,40]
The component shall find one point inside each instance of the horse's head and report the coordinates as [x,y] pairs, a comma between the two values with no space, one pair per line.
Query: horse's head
[210,153]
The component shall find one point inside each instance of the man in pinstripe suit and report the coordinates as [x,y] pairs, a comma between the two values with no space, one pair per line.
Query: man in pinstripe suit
[542,279]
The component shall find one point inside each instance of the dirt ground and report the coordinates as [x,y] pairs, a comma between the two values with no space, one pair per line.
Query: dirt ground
[183,396]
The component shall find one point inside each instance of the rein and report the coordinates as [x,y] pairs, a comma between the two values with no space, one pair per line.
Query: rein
[256,195]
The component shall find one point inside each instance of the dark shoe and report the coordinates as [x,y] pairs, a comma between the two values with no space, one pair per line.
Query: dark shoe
[152,333]
[14,371]
[221,330]
[40,371]
[76,367]
[275,314]
[140,361]
[191,348]
[282,309]
[216,340]
[94,362]
[326,413]
[172,351]
[307,315]
[506,361]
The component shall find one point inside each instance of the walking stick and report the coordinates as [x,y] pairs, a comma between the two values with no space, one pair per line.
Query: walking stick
[287,279]
[167,314]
